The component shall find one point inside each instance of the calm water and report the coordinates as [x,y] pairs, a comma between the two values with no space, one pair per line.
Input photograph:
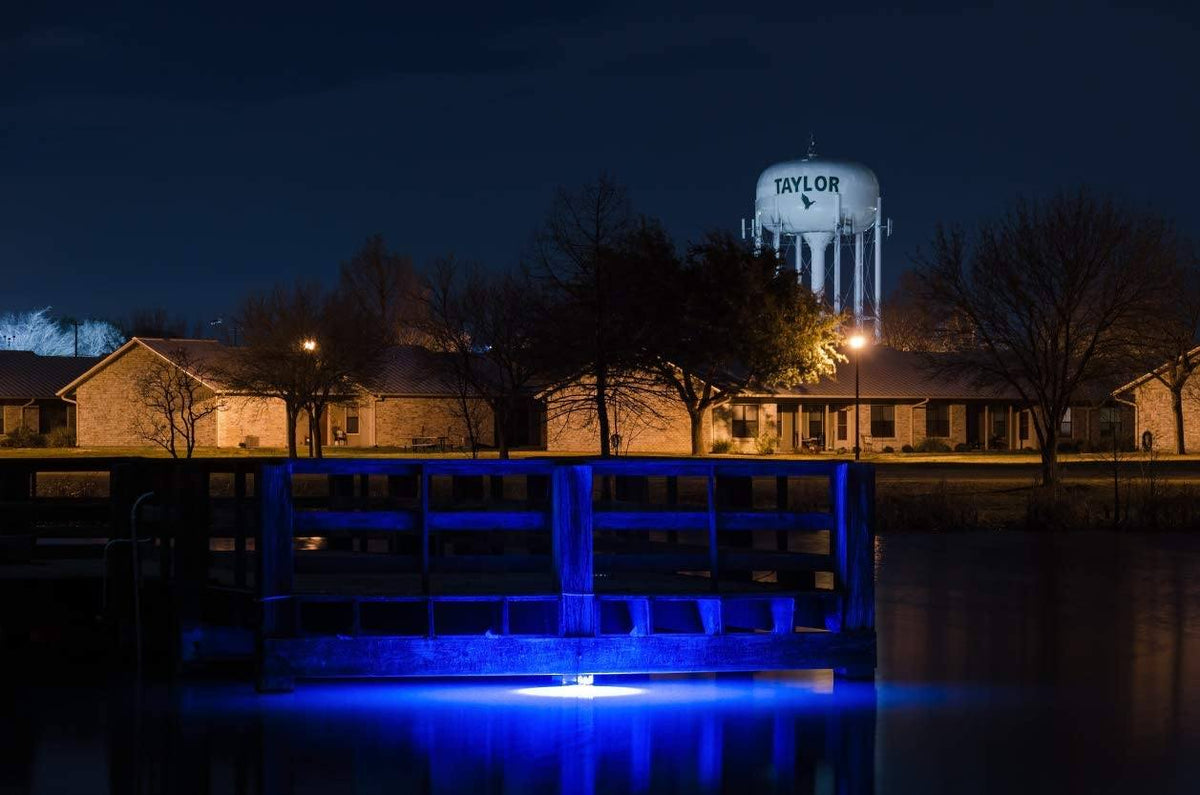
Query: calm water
[1007,664]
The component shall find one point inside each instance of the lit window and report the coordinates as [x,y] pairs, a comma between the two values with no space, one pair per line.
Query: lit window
[745,420]
[1064,427]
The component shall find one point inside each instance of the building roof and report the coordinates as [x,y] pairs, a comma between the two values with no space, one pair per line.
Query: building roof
[205,353]
[886,373]
[1144,377]
[412,370]
[26,376]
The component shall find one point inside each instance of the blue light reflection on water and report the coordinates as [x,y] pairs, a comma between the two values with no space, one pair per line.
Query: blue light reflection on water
[707,734]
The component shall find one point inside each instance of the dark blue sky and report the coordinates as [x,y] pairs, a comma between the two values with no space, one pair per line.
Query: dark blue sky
[151,156]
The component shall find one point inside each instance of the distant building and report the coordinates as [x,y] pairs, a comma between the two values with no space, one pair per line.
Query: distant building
[408,403]
[1154,414]
[901,404]
[29,386]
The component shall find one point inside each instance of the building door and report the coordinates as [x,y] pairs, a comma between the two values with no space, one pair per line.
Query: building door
[974,425]
[788,427]
[812,433]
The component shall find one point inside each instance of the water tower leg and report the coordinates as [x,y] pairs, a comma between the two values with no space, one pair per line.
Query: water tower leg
[817,243]
[858,278]
[837,256]
[878,292]
[837,273]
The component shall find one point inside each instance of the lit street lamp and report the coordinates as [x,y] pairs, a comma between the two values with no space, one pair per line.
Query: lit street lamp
[857,342]
[309,345]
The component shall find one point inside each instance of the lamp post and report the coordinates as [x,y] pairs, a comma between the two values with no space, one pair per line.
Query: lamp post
[857,342]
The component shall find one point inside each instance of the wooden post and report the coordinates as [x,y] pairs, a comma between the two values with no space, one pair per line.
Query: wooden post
[341,498]
[853,552]
[572,539]
[673,504]
[713,555]
[189,508]
[273,544]
[239,528]
[122,488]
[425,580]
[17,539]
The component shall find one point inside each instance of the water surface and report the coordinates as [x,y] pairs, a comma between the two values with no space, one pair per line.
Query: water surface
[1008,663]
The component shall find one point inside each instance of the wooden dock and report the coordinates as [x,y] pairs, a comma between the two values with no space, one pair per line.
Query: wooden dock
[457,567]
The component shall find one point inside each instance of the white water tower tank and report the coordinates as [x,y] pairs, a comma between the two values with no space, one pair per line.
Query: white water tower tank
[799,196]
[805,207]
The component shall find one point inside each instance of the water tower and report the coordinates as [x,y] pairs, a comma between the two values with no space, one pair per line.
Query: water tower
[802,206]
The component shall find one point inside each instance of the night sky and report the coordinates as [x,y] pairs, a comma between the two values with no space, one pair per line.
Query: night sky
[151,156]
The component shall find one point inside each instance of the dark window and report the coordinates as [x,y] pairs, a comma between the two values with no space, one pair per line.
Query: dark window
[999,422]
[1023,425]
[843,424]
[745,420]
[937,420]
[1110,421]
[1064,427]
[883,421]
[816,423]
[352,420]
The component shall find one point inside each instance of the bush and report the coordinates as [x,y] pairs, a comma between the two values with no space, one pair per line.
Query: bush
[889,449]
[722,446]
[908,448]
[23,437]
[61,437]
[1068,447]
[962,447]
[929,445]
[766,444]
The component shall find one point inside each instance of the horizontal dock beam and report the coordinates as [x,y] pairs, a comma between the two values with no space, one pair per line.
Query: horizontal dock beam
[287,659]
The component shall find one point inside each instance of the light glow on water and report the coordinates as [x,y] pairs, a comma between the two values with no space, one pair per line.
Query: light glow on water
[586,691]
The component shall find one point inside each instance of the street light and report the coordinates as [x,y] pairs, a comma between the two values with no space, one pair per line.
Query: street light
[309,345]
[857,342]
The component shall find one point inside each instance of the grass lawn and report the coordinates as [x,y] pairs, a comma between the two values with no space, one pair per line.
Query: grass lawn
[1024,458]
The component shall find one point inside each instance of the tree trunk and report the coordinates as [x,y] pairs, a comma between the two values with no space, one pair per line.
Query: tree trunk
[291,431]
[314,430]
[697,418]
[502,434]
[602,412]
[1050,463]
[1177,407]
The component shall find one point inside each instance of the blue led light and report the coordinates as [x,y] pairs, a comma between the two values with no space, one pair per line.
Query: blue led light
[584,691]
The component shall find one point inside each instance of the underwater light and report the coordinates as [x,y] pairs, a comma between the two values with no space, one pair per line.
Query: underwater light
[582,689]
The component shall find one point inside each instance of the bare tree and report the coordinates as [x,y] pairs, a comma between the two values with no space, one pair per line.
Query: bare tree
[307,348]
[384,286]
[153,322]
[178,397]
[728,319]
[1050,296]
[596,318]
[45,335]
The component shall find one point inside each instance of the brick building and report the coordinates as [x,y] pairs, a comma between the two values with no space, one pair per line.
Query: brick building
[408,403]
[29,386]
[901,404]
[1155,415]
